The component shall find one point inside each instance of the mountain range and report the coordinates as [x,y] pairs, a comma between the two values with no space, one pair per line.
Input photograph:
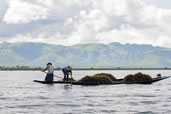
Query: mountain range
[85,55]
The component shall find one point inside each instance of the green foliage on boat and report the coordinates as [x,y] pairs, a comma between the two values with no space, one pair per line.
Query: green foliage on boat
[137,78]
[110,76]
[101,78]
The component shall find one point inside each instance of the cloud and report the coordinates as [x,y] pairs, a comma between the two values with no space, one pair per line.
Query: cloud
[73,22]
[138,23]
[42,37]
[21,11]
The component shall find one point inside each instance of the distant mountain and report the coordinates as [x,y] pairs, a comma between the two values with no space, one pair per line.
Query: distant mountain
[84,55]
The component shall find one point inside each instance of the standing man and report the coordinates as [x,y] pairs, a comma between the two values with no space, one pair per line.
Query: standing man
[49,76]
[67,71]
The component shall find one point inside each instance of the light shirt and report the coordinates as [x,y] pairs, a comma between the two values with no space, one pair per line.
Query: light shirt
[50,69]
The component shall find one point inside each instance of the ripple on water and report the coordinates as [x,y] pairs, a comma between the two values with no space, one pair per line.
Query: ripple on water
[89,111]
[108,111]
[67,105]
[149,102]
[37,97]
[133,103]
[157,90]
[142,95]
[94,104]
[150,112]
[26,106]
[165,105]
[4,98]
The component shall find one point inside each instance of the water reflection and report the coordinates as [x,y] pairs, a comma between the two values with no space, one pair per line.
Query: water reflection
[67,86]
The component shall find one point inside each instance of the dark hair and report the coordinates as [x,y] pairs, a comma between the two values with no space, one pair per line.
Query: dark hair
[158,74]
[49,64]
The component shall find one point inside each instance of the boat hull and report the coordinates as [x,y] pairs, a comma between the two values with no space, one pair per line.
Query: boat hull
[119,81]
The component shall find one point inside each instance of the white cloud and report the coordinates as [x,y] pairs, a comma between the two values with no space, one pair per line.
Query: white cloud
[31,37]
[163,41]
[90,21]
[20,11]
[141,23]
[68,21]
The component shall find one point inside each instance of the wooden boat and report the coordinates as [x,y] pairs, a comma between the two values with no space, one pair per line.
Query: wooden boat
[118,81]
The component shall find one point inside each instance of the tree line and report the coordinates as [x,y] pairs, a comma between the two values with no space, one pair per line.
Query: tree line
[18,67]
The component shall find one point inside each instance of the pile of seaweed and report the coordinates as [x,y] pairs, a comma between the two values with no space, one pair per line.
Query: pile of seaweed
[105,78]
[97,79]
[137,78]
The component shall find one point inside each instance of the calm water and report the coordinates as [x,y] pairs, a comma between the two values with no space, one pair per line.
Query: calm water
[19,94]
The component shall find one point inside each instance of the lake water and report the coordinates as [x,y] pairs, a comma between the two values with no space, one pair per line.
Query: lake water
[19,94]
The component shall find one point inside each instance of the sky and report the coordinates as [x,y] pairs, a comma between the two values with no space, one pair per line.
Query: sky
[69,22]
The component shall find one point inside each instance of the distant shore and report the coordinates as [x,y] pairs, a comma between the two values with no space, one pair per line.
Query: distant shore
[5,68]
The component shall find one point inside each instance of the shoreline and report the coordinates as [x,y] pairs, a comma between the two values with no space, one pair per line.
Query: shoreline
[38,69]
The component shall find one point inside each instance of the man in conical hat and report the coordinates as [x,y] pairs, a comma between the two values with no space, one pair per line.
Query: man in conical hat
[67,71]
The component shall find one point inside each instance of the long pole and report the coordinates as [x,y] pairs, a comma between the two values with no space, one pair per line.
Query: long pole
[53,75]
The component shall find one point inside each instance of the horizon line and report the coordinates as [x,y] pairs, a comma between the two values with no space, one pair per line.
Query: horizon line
[3,42]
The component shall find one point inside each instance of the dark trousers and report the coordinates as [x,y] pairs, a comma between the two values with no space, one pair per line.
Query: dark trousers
[49,78]
[66,76]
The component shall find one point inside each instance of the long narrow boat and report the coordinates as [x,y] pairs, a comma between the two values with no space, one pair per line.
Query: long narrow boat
[118,81]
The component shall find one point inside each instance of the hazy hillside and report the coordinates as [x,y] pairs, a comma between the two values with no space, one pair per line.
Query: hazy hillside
[85,55]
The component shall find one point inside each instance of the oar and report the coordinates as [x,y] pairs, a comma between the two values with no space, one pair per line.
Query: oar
[53,75]
[57,76]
